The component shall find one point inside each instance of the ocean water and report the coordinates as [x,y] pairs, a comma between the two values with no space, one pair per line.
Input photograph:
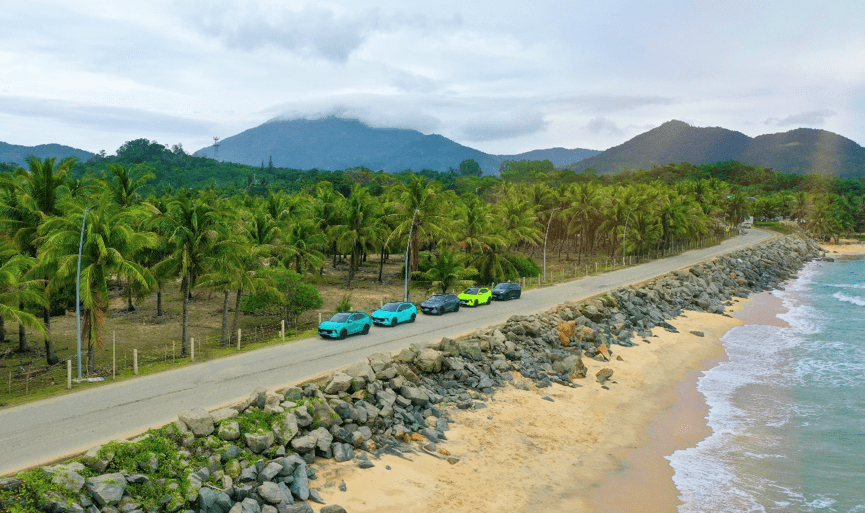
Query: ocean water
[788,409]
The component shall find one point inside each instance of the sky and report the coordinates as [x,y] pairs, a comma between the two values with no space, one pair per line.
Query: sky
[503,77]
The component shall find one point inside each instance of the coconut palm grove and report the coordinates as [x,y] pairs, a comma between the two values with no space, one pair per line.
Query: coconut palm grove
[152,219]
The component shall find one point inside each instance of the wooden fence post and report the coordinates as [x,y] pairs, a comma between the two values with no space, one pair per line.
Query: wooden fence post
[113,354]
[238,339]
[69,374]
[135,361]
[192,354]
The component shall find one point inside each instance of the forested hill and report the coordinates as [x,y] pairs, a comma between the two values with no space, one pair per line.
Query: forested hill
[335,143]
[15,154]
[800,151]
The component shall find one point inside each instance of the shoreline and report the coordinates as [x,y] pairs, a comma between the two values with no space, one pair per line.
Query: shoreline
[589,449]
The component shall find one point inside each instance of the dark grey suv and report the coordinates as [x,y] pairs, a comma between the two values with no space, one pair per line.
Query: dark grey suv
[438,304]
[507,290]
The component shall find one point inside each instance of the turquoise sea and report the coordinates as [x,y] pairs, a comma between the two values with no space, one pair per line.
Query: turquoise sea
[788,409]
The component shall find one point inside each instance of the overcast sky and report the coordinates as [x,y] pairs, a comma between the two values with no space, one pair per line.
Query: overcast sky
[501,76]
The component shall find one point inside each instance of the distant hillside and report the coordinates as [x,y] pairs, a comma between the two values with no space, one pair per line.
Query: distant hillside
[800,151]
[13,153]
[558,156]
[335,143]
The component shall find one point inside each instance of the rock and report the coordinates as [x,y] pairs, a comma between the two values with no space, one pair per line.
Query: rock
[603,375]
[229,431]
[270,492]
[300,485]
[342,452]
[429,361]
[339,382]
[98,460]
[303,444]
[259,441]
[565,331]
[107,488]
[698,333]
[10,484]
[603,352]
[300,507]
[585,333]
[68,479]
[315,497]
[361,370]
[323,414]
[222,414]
[414,394]
[323,438]
[198,420]
[285,428]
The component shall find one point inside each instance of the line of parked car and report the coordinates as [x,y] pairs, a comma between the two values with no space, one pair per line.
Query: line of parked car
[344,324]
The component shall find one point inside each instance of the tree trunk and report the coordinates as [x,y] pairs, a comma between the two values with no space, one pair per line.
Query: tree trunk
[50,357]
[223,340]
[2,330]
[129,306]
[159,311]
[236,314]
[415,251]
[381,265]
[184,340]
[22,335]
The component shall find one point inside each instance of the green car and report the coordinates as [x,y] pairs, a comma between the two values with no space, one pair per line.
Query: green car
[474,296]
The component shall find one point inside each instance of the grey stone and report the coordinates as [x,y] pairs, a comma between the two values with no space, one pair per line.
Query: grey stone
[270,492]
[107,488]
[222,414]
[322,437]
[303,444]
[342,452]
[339,382]
[333,508]
[68,479]
[229,431]
[300,485]
[300,507]
[314,496]
[250,505]
[259,441]
[429,361]
[198,420]
[270,471]
[361,370]
[285,428]
[414,394]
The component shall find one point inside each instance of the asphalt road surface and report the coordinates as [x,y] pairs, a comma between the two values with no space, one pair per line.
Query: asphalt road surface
[45,431]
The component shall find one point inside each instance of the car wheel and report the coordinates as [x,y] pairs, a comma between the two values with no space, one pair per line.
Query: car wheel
[518,294]
[365,329]
[413,317]
[475,303]
[457,308]
[343,334]
[393,322]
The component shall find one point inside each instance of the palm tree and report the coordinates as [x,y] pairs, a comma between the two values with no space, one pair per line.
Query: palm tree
[125,186]
[421,210]
[108,246]
[15,291]
[36,197]
[301,247]
[329,211]
[584,200]
[448,270]
[193,228]
[359,231]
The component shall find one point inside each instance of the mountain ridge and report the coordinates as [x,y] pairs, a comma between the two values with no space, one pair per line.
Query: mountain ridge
[797,151]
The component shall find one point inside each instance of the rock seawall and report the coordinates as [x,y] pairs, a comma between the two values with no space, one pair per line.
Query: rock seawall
[259,455]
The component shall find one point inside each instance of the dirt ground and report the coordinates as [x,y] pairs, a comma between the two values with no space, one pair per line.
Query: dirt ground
[158,339]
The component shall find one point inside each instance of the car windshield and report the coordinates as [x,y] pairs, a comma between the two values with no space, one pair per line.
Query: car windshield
[340,317]
[436,299]
[471,291]
[390,307]
[501,287]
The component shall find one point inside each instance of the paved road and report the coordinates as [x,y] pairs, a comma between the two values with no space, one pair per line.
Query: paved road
[45,431]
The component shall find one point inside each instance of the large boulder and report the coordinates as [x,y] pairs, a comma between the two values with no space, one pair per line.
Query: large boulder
[565,331]
[429,361]
[198,420]
[285,428]
[361,370]
[339,382]
[107,489]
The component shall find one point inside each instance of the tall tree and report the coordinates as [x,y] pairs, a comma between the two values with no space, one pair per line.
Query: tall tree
[193,227]
[108,245]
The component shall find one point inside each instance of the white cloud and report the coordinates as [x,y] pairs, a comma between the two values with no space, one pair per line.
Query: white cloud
[810,118]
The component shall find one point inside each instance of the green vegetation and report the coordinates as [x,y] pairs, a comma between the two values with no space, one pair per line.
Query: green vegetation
[158,217]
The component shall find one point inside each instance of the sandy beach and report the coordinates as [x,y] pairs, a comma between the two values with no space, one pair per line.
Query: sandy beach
[847,248]
[589,449]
